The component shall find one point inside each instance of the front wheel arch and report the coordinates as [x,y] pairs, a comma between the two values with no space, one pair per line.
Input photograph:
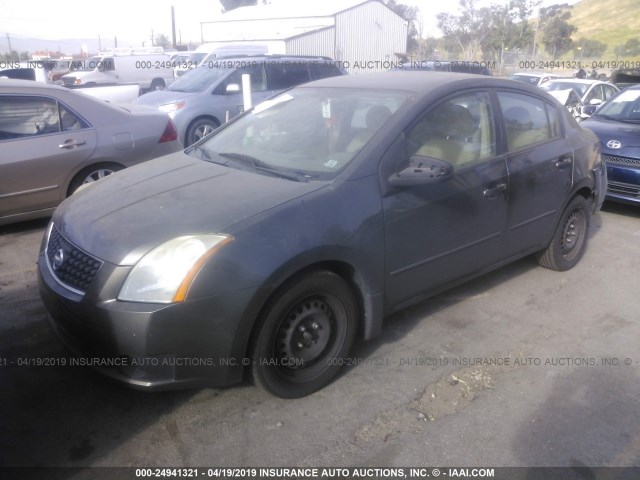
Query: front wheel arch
[304,333]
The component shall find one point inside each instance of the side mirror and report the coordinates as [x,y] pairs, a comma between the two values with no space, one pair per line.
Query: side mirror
[595,101]
[421,171]
[589,109]
[232,88]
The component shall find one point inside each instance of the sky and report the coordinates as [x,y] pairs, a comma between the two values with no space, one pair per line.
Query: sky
[133,21]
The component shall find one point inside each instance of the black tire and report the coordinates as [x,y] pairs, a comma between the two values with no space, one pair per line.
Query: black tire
[91,174]
[569,241]
[304,335]
[200,129]
[157,84]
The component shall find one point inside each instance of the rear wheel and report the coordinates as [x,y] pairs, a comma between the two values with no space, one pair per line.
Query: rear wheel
[200,129]
[304,335]
[570,238]
[91,174]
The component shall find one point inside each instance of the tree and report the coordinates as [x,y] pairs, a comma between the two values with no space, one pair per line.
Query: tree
[632,47]
[469,29]
[585,47]
[410,14]
[229,5]
[556,29]
[509,28]
[162,40]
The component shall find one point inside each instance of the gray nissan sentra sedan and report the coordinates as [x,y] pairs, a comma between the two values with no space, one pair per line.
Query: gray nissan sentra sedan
[267,247]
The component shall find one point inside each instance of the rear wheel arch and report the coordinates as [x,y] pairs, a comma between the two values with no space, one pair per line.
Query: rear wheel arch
[98,168]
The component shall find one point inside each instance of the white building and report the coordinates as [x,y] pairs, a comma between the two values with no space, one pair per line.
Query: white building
[364,35]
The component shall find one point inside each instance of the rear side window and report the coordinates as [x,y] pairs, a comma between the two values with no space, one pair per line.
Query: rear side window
[527,120]
[287,73]
[326,69]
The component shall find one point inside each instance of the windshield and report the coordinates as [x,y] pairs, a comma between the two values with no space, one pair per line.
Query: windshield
[624,107]
[313,132]
[89,64]
[198,79]
[553,85]
[531,79]
[196,57]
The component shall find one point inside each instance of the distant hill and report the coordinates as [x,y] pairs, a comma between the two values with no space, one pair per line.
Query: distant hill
[610,21]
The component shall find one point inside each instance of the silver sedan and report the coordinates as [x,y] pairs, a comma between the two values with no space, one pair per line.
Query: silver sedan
[53,140]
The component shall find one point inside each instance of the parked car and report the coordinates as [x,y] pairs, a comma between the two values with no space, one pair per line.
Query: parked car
[617,124]
[34,71]
[208,51]
[272,243]
[53,140]
[590,92]
[531,78]
[149,68]
[460,66]
[202,99]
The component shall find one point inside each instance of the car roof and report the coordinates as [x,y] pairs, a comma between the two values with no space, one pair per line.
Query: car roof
[11,83]
[586,81]
[419,81]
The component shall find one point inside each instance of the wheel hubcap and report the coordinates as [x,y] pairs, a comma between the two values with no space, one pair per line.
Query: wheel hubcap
[97,175]
[304,333]
[573,233]
[202,131]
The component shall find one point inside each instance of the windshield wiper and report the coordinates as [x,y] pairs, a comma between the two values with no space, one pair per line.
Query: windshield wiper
[261,166]
[606,117]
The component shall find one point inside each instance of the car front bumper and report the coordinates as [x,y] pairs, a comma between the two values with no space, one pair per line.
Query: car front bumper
[149,346]
[623,183]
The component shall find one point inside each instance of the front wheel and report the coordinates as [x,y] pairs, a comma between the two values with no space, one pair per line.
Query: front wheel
[200,129]
[570,238]
[304,335]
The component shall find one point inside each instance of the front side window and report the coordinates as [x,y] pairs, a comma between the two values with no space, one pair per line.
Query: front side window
[459,131]
[525,120]
[27,116]
[258,81]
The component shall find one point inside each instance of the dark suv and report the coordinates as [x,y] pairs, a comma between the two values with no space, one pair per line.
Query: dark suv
[205,97]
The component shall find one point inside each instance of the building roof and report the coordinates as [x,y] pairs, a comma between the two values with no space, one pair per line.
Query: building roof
[290,9]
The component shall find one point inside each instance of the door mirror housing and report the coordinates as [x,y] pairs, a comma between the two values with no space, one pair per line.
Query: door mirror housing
[232,88]
[421,171]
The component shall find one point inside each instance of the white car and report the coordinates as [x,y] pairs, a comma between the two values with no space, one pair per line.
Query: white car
[535,79]
[591,92]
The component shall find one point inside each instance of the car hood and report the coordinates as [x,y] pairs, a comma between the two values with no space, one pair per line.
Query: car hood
[122,217]
[628,134]
[565,96]
[162,97]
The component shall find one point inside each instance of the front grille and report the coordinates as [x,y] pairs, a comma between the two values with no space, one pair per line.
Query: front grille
[632,162]
[625,189]
[69,80]
[71,266]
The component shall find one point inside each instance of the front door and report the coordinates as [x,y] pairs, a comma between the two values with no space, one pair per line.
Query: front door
[438,233]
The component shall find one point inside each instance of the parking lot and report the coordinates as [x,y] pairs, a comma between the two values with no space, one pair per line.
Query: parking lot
[522,367]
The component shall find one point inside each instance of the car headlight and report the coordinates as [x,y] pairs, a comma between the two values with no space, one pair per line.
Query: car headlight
[165,274]
[171,107]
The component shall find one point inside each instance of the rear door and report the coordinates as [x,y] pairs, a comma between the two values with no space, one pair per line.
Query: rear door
[42,142]
[540,163]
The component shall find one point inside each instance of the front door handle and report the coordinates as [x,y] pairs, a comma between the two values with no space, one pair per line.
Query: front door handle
[71,143]
[564,162]
[493,192]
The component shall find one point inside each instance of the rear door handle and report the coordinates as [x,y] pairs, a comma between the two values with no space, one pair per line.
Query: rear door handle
[71,143]
[564,162]
[493,192]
